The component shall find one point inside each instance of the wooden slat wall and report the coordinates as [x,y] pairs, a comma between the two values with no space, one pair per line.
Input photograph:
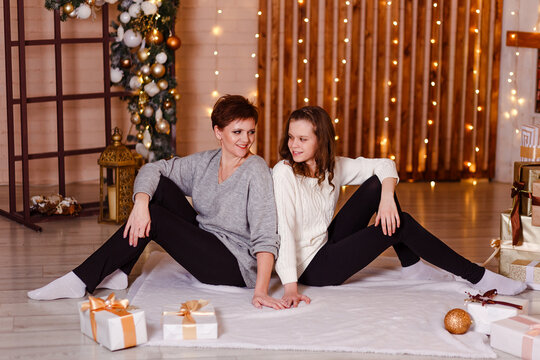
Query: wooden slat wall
[412,80]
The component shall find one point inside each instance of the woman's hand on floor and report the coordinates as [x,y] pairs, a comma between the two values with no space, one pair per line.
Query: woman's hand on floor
[260,299]
[292,297]
[138,224]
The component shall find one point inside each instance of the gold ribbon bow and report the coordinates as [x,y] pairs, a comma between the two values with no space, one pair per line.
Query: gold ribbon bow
[187,310]
[496,246]
[117,307]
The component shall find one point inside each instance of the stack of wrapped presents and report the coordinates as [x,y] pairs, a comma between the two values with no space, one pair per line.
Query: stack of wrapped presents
[515,332]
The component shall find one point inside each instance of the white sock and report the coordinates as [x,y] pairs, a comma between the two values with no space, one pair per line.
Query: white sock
[118,280]
[504,285]
[423,271]
[67,286]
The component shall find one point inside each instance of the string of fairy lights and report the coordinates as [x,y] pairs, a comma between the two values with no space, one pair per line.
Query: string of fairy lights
[341,53]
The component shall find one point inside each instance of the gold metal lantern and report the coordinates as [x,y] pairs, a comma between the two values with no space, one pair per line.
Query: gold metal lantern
[116,176]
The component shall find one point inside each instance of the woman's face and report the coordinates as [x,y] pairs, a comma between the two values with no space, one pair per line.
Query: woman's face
[302,142]
[237,137]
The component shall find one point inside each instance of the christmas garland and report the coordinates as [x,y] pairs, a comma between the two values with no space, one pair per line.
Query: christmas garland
[142,61]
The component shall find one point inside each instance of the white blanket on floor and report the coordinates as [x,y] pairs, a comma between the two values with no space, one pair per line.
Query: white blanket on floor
[375,311]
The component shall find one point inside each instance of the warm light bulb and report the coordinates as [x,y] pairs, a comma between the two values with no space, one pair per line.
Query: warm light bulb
[433,83]
[430,122]
[306,100]
[215,93]
[432,184]
[507,115]
[513,92]
[438,22]
[476,31]
[509,80]
[517,131]
[336,98]
[257,36]
[393,99]
[393,157]
[469,164]
[395,23]
[394,62]
[347,3]
[478,11]
[432,41]
[434,4]
[474,182]
[477,91]
[220,11]
[343,61]
[216,72]
[384,141]
[300,41]
[259,12]
[253,55]
[521,101]
[477,149]
[511,73]
[386,118]
[336,120]
[336,138]
[479,108]
[512,13]
[388,3]
[306,20]
[299,80]
[426,141]
[469,127]
[305,61]
[336,79]
[514,112]
[216,30]
[346,40]
[517,53]
[434,103]
[215,52]
[389,83]
[395,41]
[435,64]
[257,76]
[345,20]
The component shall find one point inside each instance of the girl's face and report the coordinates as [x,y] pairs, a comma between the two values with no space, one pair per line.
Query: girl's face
[237,137]
[303,142]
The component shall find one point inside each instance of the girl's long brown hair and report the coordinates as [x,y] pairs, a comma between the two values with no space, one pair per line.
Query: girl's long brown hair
[325,155]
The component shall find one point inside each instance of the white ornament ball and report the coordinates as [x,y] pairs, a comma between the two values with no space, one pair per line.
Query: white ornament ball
[151,89]
[83,11]
[135,82]
[132,38]
[161,58]
[125,17]
[147,139]
[148,8]
[148,111]
[145,69]
[116,75]
[120,34]
[134,10]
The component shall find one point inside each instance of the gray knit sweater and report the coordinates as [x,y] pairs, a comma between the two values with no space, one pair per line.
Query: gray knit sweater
[240,212]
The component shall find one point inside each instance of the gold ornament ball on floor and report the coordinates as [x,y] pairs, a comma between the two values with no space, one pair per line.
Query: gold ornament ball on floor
[148,111]
[142,55]
[135,119]
[125,63]
[154,37]
[68,8]
[457,321]
[140,135]
[163,84]
[158,70]
[173,42]
[162,126]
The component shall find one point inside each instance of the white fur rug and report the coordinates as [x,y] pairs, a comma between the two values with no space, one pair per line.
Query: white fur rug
[375,311]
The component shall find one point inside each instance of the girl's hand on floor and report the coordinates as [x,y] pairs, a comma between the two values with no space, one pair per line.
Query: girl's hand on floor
[292,297]
[387,216]
[259,300]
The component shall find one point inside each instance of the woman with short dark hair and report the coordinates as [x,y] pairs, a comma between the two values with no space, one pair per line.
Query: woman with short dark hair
[228,237]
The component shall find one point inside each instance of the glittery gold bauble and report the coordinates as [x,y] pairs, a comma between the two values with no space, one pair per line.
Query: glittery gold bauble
[158,70]
[162,126]
[154,36]
[167,104]
[125,63]
[145,70]
[142,55]
[148,111]
[163,84]
[457,321]
[140,135]
[135,119]
[173,42]
[68,8]
[90,2]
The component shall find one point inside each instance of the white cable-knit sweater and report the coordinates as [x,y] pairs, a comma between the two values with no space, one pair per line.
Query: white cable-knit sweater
[305,209]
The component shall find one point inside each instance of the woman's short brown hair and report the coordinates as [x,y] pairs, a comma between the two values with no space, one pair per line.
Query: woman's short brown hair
[325,156]
[232,107]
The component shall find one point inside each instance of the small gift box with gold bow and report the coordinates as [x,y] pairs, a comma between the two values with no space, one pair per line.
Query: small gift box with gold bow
[501,307]
[194,319]
[518,335]
[112,323]
[525,270]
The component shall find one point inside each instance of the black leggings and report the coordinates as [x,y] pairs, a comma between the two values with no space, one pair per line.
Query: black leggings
[352,244]
[175,228]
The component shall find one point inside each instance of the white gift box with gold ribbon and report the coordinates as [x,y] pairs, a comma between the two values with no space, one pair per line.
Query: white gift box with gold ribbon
[528,247]
[484,315]
[112,323]
[194,319]
[518,335]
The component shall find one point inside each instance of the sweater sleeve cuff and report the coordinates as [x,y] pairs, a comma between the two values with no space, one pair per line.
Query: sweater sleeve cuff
[387,172]
[266,248]
[288,275]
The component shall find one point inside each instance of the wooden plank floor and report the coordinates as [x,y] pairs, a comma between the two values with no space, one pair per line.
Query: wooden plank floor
[464,215]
